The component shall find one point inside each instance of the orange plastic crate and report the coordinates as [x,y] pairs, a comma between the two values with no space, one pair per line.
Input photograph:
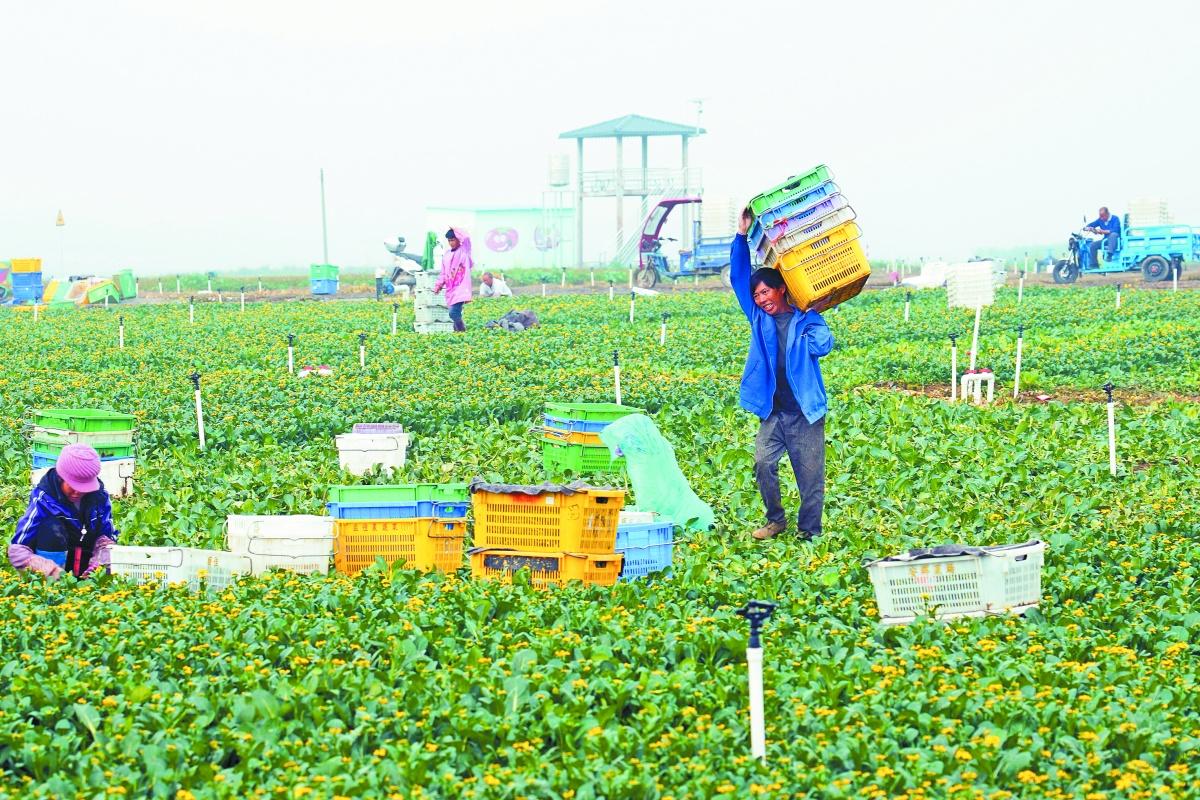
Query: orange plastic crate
[547,569]
[422,543]
[839,273]
[554,522]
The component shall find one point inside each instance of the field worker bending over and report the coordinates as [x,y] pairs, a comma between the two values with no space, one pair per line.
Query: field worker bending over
[456,275]
[491,286]
[68,525]
[782,385]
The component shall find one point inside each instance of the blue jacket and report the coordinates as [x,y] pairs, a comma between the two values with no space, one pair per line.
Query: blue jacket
[808,339]
[82,526]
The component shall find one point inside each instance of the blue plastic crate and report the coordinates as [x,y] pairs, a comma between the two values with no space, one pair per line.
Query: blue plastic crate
[574,425]
[398,510]
[26,280]
[24,294]
[42,462]
[324,285]
[647,547]
[797,205]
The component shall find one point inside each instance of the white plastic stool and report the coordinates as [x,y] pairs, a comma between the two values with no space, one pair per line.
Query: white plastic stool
[972,382]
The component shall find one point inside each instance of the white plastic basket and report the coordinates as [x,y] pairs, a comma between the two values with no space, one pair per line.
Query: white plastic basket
[428,314]
[61,436]
[117,476]
[1007,579]
[970,285]
[167,565]
[359,452]
[433,327]
[634,517]
[300,543]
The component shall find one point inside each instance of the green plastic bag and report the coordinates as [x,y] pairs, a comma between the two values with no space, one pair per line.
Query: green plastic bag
[657,480]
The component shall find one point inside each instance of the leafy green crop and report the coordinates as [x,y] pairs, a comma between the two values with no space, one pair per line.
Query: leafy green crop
[396,683]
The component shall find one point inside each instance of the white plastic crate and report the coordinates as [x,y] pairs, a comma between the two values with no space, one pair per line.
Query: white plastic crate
[167,565]
[60,436]
[635,517]
[433,327]
[1004,579]
[300,543]
[970,285]
[432,314]
[359,452]
[425,280]
[117,476]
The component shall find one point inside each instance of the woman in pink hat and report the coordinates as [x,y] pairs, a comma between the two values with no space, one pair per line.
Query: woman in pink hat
[68,525]
[455,277]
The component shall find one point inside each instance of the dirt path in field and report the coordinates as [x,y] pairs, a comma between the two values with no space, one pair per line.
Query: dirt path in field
[1129,397]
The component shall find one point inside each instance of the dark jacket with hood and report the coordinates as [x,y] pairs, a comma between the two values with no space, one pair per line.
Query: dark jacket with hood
[50,516]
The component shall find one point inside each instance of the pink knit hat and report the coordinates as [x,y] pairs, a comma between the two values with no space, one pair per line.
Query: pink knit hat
[79,465]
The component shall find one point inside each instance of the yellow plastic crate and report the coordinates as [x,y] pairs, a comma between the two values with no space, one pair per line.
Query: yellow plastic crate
[790,259]
[422,543]
[553,522]
[572,437]
[547,569]
[26,265]
[838,273]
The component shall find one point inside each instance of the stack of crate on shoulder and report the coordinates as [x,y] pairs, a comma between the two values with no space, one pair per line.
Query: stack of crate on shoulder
[429,307]
[110,433]
[558,533]
[422,524]
[805,228]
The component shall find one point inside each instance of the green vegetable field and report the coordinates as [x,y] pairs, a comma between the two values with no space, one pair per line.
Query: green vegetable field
[397,683]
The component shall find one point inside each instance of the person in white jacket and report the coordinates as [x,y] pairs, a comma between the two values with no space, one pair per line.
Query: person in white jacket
[493,287]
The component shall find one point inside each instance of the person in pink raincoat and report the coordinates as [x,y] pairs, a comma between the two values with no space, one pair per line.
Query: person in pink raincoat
[456,275]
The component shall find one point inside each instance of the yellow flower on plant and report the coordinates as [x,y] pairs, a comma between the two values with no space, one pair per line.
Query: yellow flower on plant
[962,755]
[991,740]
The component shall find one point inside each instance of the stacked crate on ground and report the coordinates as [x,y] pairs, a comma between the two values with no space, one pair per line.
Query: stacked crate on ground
[97,293]
[110,433]
[958,581]
[370,445]
[300,543]
[323,278]
[422,524]
[571,437]
[26,279]
[214,570]
[646,544]
[559,533]
[126,284]
[431,315]
[805,228]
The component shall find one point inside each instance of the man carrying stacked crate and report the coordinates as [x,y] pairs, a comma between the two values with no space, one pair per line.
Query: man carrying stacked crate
[782,385]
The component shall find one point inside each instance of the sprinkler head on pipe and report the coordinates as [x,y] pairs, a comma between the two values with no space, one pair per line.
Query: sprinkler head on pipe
[954,340]
[616,358]
[362,338]
[1108,390]
[291,339]
[1020,330]
[756,613]
[195,379]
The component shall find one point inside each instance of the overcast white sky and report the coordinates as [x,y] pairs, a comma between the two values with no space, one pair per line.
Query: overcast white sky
[183,136]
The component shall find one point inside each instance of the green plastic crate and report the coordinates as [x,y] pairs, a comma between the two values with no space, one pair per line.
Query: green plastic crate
[45,446]
[591,412]
[85,420]
[558,457]
[108,289]
[404,493]
[778,195]
[319,272]
[126,284]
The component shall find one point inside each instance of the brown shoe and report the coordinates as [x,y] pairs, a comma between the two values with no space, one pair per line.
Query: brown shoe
[770,530]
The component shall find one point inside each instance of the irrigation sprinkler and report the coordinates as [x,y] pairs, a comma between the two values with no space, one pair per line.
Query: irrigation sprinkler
[177,287]
[260,284]
[617,375]
[543,287]
[632,297]
[192,310]
[1112,431]
[631,277]
[563,282]
[36,306]
[1017,372]
[291,337]
[160,289]
[243,291]
[1174,276]
[662,332]
[907,304]
[593,277]
[696,279]
[395,314]
[975,337]
[195,377]
[610,291]
[121,332]
[106,301]
[756,613]
[1118,297]
[362,350]
[1021,286]
[220,297]
[953,367]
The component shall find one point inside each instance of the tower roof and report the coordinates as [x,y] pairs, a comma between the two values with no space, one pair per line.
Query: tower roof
[631,125]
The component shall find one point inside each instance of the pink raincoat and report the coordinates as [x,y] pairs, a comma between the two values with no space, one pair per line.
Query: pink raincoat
[456,271]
